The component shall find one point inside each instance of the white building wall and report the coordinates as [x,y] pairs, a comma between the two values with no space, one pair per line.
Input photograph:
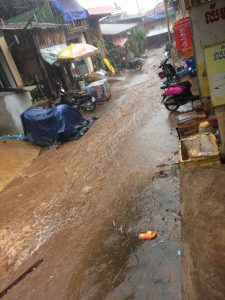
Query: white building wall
[12,105]
[208,30]
[87,60]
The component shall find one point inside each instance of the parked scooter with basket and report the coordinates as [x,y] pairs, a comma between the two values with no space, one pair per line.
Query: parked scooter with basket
[82,100]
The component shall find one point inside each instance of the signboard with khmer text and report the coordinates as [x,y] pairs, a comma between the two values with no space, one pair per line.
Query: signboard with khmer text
[208,25]
[215,65]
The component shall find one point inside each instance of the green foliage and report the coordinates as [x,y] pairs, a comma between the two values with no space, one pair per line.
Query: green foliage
[43,15]
[137,40]
[139,34]
[114,53]
[100,44]
[100,62]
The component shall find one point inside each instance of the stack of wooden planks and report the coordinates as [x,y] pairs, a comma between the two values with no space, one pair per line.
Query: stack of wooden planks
[188,123]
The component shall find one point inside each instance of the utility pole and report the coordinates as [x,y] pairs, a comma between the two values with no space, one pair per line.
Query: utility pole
[220,114]
[182,8]
[169,33]
[138,7]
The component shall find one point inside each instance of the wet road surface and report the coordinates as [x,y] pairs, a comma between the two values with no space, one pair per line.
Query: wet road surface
[80,207]
[15,155]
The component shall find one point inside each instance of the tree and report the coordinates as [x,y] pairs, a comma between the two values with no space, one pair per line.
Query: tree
[137,40]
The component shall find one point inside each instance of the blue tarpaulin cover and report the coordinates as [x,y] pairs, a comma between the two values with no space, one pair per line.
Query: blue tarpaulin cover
[55,125]
[71,10]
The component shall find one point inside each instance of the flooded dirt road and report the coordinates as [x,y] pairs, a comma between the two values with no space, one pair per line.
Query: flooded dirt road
[80,207]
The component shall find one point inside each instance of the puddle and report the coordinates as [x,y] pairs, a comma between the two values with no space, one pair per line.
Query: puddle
[15,155]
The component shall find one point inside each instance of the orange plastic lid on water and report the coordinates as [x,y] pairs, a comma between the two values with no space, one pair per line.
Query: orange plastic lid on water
[149,235]
[204,124]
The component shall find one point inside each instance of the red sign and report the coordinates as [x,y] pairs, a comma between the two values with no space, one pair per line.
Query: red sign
[182,34]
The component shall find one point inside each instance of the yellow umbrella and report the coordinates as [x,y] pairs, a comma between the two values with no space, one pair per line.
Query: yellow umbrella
[76,51]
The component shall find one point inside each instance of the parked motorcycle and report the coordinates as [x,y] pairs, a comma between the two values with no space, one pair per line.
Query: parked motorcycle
[178,94]
[170,73]
[167,50]
[82,100]
[134,64]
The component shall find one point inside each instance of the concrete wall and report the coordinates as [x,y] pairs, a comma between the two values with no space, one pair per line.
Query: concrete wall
[208,30]
[87,60]
[202,194]
[11,107]
[11,64]
[80,38]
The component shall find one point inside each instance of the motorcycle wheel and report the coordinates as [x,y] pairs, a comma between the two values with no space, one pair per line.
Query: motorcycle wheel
[138,66]
[169,106]
[89,105]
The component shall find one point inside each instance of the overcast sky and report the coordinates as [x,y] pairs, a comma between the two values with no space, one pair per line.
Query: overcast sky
[129,5]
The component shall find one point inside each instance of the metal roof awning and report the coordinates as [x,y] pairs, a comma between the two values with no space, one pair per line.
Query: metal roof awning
[101,10]
[32,25]
[114,29]
[157,31]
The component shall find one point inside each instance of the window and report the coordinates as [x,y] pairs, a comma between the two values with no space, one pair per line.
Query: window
[82,67]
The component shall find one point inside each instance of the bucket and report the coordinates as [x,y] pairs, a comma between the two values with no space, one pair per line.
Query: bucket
[205,127]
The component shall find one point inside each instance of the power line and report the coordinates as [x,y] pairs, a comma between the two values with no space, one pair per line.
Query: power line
[138,7]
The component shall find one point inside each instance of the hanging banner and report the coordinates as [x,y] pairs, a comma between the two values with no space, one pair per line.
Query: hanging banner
[215,65]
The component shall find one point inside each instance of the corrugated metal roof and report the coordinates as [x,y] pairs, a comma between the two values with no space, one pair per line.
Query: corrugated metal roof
[157,31]
[159,8]
[158,12]
[101,10]
[16,26]
[113,29]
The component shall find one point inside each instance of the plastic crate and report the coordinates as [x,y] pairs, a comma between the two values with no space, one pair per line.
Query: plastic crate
[200,150]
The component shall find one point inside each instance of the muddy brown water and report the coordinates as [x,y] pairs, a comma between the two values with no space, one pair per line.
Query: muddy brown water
[80,207]
[15,155]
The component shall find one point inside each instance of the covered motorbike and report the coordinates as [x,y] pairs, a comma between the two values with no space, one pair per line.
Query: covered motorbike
[55,125]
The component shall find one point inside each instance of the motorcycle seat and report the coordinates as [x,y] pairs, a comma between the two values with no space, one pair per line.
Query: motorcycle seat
[195,98]
[134,60]
[184,83]
[81,95]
